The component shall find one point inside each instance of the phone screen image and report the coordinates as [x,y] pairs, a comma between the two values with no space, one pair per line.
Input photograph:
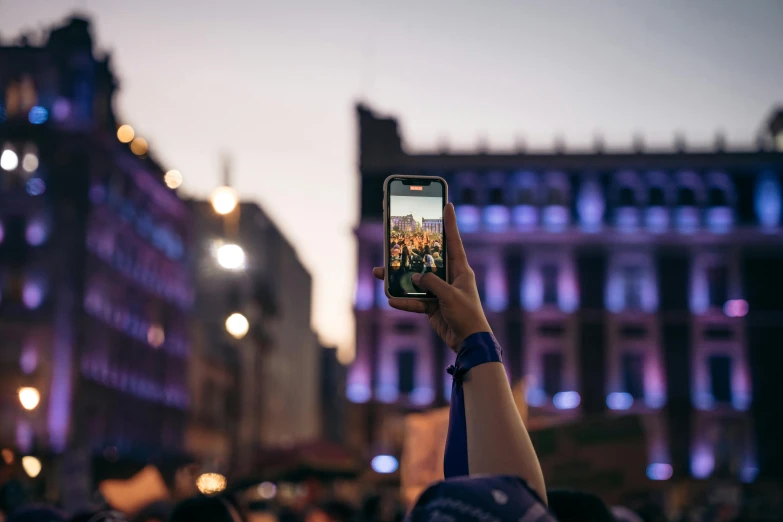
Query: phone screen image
[415,232]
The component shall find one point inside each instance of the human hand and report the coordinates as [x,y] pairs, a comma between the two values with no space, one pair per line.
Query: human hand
[457,313]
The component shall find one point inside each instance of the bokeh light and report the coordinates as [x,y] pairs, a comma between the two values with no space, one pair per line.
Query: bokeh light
[211,483]
[32,466]
[659,471]
[156,336]
[7,455]
[619,401]
[267,490]
[9,160]
[735,308]
[224,200]
[38,115]
[173,179]
[139,146]
[29,398]
[231,257]
[384,464]
[237,325]
[35,186]
[30,162]
[566,400]
[126,133]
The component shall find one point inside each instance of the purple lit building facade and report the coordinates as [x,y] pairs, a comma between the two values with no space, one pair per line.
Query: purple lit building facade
[405,224]
[94,281]
[636,282]
[434,226]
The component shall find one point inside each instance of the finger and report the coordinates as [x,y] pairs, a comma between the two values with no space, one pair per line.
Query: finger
[434,284]
[455,250]
[378,272]
[408,305]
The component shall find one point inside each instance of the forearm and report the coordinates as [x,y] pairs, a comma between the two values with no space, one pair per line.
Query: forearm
[498,442]
[486,434]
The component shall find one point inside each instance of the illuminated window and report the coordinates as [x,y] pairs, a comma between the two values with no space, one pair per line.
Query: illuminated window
[632,287]
[13,99]
[717,281]
[555,197]
[549,277]
[553,373]
[406,370]
[496,196]
[657,197]
[720,378]
[633,374]
[28,94]
[468,196]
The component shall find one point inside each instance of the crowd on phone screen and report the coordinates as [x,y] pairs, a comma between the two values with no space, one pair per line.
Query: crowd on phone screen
[417,252]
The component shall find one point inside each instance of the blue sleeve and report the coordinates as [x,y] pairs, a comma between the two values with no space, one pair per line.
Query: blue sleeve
[477,349]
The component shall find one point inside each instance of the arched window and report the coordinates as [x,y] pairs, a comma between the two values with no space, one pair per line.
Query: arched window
[526,196]
[686,197]
[496,196]
[716,197]
[468,196]
[555,197]
[657,197]
[626,197]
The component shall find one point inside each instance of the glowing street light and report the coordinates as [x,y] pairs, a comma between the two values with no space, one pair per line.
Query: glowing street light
[32,466]
[210,483]
[224,200]
[125,133]
[30,162]
[9,160]
[139,146]
[231,257]
[173,179]
[29,397]
[237,325]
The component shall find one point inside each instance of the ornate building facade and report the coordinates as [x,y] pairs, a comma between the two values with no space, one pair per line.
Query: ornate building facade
[625,282]
[94,280]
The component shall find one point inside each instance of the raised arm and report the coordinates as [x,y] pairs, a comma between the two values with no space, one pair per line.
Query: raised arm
[486,433]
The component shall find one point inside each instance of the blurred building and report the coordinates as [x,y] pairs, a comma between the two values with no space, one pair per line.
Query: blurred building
[618,282]
[432,225]
[404,223]
[94,282]
[256,384]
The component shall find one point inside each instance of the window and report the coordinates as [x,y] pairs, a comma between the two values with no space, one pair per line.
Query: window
[717,197]
[406,370]
[686,197]
[632,287]
[526,196]
[657,197]
[626,198]
[468,196]
[555,197]
[496,196]
[717,280]
[553,373]
[720,378]
[549,277]
[633,374]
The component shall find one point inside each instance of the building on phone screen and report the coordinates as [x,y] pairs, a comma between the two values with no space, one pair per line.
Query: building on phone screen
[634,283]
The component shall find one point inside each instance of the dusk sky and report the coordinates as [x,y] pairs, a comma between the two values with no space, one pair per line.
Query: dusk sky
[274,84]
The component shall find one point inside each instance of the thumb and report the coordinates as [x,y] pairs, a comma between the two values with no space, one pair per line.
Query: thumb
[433,283]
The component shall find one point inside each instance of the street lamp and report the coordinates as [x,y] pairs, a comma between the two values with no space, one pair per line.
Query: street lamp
[224,200]
[237,325]
[231,257]
[29,397]
[32,466]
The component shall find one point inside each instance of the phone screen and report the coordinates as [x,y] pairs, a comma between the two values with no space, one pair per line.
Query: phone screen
[415,232]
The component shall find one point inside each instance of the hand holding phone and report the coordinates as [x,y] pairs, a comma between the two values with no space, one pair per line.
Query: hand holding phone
[456,311]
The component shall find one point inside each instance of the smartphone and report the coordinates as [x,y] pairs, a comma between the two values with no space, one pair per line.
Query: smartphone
[415,240]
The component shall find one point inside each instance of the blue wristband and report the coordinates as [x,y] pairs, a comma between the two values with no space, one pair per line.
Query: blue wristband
[476,349]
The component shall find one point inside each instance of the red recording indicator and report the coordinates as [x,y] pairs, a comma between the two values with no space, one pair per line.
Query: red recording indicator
[415,187]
